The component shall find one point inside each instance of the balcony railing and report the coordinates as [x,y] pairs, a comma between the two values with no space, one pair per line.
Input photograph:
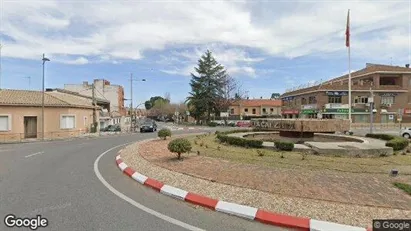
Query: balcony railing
[336,105]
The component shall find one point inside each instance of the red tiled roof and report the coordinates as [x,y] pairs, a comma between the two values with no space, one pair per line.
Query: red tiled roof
[258,102]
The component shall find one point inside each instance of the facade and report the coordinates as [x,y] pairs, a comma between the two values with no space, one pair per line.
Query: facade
[104,90]
[255,108]
[383,89]
[65,115]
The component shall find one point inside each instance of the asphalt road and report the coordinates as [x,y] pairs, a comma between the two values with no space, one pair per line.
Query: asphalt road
[57,181]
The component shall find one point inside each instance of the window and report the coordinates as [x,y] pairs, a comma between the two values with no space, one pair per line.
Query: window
[254,111]
[387,100]
[5,123]
[232,111]
[67,122]
[334,99]
[264,110]
[387,81]
[303,101]
[361,99]
[312,100]
[245,109]
[271,109]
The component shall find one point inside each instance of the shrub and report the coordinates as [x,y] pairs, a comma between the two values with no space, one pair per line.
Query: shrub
[237,141]
[380,136]
[405,187]
[398,143]
[260,152]
[217,132]
[163,133]
[284,146]
[179,145]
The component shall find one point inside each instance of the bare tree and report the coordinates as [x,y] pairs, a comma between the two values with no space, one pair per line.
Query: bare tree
[231,93]
[167,96]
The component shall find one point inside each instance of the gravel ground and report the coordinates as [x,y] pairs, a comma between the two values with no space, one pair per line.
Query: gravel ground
[335,212]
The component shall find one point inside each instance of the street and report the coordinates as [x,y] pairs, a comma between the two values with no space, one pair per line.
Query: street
[58,181]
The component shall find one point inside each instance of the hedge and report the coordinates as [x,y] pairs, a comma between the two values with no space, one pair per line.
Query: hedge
[233,131]
[284,146]
[397,143]
[212,124]
[237,141]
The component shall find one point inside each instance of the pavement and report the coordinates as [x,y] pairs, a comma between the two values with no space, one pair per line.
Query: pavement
[76,185]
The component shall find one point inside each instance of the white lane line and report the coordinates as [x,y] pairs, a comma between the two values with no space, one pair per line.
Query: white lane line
[136,204]
[34,154]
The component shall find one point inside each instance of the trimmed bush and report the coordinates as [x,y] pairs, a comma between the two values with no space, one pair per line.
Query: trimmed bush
[398,143]
[284,146]
[163,133]
[179,145]
[237,141]
[381,136]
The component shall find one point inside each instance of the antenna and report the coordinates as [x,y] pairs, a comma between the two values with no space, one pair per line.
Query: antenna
[29,78]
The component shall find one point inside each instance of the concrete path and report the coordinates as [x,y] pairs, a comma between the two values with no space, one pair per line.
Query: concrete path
[57,180]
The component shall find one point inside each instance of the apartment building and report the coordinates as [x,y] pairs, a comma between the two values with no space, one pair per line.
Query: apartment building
[387,86]
[105,90]
[255,108]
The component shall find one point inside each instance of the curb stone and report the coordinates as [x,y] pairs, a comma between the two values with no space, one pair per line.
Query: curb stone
[247,212]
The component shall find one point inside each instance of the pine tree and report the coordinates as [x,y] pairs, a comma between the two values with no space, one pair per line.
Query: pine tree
[207,87]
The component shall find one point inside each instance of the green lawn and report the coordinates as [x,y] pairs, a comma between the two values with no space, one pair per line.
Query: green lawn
[209,146]
[404,187]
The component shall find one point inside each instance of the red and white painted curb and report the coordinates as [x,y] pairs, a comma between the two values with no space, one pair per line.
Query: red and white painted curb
[243,211]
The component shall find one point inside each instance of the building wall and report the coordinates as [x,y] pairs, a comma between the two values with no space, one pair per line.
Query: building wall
[113,93]
[240,110]
[402,99]
[84,119]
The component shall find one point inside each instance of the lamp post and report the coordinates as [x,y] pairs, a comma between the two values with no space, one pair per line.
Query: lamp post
[133,122]
[42,98]
[371,102]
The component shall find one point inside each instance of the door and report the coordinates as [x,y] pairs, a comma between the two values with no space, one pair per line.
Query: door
[30,127]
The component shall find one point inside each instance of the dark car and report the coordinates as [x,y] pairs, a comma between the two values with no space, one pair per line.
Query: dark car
[148,126]
[112,128]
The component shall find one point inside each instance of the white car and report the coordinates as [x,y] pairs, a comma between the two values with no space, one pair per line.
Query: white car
[406,133]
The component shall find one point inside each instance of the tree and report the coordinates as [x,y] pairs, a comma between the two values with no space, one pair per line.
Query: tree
[275,95]
[207,87]
[231,93]
[148,105]
[163,133]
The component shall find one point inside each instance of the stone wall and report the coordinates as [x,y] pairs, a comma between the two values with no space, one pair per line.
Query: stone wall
[301,125]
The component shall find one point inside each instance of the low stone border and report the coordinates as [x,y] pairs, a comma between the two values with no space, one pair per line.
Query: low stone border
[239,210]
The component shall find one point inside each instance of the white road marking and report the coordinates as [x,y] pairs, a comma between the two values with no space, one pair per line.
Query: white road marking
[136,204]
[34,154]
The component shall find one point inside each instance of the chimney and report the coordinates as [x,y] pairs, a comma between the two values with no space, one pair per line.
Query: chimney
[407,65]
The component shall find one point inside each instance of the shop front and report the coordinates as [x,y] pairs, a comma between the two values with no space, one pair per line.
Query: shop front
[290,114]
[406,115]
[357,115]
[309,113]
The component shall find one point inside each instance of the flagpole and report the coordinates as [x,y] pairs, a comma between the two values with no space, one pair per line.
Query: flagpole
[348,44]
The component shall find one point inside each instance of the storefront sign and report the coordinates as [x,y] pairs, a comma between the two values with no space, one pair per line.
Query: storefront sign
[336,93]
[407,111]
[309,111]
[309,106]
[294,112]
[343,110]
[387,94]
[289,98]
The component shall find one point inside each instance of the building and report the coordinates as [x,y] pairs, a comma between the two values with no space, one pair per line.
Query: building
[248,108]
[389,86]
[65,115]
[104,90]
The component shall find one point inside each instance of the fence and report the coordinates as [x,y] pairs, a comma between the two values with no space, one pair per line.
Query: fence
[23,137]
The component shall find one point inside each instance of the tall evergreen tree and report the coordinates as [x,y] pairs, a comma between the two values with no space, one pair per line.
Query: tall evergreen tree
[207,87]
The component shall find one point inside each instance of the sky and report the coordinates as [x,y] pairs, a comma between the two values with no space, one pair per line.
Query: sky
[268,46]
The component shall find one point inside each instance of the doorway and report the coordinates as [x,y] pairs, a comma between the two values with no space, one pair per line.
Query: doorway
[30,127]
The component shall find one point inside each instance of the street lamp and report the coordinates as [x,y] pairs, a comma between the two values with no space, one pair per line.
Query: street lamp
[133,124]
[42,98]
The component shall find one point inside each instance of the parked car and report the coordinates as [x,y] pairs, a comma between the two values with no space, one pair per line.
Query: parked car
[112,128]
[148,126]
[406,133]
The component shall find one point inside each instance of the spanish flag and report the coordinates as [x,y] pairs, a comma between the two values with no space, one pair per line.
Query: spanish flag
[347,31]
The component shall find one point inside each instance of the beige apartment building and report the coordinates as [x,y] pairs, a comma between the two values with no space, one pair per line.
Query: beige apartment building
[389,87]
[65,115]
[255,108]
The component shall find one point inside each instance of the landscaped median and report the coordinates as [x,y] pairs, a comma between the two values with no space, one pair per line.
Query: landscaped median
[286,182]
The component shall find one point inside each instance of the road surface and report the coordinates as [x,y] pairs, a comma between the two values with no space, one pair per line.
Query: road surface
[57,181]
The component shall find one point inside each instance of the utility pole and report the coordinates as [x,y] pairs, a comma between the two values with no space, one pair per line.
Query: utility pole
[42,98]
[1,46]
[133,118]
[371,102]
[29,78]
[93,95]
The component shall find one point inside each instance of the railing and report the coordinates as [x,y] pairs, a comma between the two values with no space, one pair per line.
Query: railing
[55,135]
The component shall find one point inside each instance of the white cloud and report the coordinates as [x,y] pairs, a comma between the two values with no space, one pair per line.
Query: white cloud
[126,31]
[78,61]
